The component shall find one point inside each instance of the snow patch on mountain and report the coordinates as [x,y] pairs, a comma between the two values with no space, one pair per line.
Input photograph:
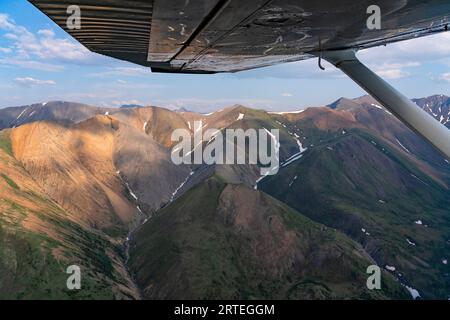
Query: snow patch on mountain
[174,194]
[287,112]
[414,293]
[131,191]
[381,108]
[21,114]
[401,145]
[390,268]
[293,180]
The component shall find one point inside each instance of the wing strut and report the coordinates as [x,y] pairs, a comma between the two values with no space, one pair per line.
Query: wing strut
[405,110]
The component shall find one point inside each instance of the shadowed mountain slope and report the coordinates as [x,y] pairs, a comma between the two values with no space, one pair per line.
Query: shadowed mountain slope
[223,241]
[49,111]
[359,184]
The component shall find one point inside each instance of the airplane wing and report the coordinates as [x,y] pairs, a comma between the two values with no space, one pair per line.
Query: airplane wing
[208,36]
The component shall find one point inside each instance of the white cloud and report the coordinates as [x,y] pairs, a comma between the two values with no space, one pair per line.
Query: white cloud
[7,24]
[394,70]
[389,61]
[445,77]
[59,49]
[5,50]
[31,64]
[47,33]
[10,36]
[287,94]
[31,82]
[43,45]
[123,71]
[429,48]
[393,74]
[389,68]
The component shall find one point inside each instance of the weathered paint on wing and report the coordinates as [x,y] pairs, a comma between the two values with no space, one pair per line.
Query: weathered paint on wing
[231,35]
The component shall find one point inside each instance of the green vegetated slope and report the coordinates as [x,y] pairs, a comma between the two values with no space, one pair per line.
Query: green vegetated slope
[359,184]
[5,142]
[223,241]
[38,241]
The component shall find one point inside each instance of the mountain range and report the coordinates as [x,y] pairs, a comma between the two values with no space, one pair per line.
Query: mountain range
[96,187]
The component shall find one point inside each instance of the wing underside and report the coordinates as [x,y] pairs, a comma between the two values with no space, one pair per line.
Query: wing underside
[208,36]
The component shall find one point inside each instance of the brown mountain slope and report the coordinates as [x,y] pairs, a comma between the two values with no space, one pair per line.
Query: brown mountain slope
[100,169]
[147,168]
[74,166]
[159,123]
[39,240]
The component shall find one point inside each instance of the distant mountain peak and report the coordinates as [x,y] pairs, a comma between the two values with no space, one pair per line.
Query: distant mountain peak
[342,103]
[131,106]
[438,96]
[182,109]
[438,106]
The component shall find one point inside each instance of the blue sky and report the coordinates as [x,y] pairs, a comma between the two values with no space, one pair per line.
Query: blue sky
[39,62]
